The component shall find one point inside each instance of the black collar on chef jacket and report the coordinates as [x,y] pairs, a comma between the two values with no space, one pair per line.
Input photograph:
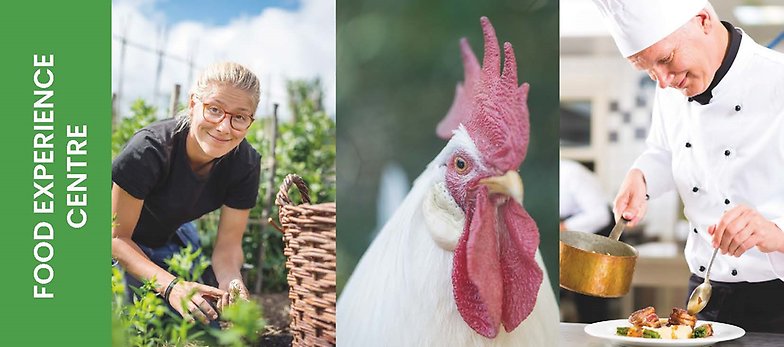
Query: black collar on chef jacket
[729,57]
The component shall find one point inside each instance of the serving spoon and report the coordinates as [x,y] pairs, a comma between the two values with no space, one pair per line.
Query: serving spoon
[700,296]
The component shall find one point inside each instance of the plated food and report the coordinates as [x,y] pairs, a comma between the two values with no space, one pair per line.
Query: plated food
[680,325]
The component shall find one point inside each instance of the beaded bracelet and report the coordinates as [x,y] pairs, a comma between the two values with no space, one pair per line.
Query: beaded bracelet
[169,288]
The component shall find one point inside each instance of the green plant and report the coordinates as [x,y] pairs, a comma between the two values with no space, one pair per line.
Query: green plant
[188,264]
[142,115]
[120,323]
[137,323]
[245,320]
[147,320]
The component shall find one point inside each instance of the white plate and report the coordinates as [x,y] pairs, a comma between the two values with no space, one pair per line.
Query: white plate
[606,330]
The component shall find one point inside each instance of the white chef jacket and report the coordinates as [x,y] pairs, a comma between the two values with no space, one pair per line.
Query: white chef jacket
[581,199]
[727,152]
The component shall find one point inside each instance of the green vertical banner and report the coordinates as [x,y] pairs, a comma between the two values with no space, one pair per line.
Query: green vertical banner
[56,217]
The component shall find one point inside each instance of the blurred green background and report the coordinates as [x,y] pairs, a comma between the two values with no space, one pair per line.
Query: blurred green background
[398,64]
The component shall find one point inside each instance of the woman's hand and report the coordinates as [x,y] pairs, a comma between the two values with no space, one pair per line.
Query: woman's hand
[236,290]
[631,201]
[194,296]
[227,256]
[742,228]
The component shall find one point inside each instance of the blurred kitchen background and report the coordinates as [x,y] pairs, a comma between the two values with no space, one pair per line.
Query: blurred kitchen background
[605,108]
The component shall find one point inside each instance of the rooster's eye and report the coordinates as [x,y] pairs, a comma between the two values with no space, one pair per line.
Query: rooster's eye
[461,165]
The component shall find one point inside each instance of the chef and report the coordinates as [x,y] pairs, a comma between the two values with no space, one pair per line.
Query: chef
[717,137]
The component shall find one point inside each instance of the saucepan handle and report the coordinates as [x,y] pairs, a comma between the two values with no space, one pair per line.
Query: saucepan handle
[617,230]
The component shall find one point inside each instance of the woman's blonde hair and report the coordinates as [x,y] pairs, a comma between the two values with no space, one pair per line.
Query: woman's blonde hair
[221,74]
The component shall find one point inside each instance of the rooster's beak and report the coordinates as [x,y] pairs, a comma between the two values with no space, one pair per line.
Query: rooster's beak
[509,184]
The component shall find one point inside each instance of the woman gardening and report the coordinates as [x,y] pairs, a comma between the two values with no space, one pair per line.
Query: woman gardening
[175,171]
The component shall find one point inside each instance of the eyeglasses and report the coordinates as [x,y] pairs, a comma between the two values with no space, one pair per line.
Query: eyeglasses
[215,114]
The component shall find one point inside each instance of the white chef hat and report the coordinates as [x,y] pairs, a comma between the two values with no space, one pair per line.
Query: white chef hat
[637,24]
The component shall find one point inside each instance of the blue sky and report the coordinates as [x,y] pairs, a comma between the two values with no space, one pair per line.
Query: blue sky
[214,12]
[280,40]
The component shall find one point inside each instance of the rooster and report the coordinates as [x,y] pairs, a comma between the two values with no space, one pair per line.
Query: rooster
[457,264]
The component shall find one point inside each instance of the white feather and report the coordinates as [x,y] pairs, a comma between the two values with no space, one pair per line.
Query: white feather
[443,217]
[400,293]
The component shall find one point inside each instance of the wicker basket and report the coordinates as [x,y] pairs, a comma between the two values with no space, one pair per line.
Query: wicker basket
[309,238]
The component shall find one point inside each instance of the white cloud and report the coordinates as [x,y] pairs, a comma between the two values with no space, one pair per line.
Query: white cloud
[276,44]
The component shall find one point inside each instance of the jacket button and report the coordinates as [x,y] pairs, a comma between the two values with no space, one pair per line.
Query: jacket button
[737,108]
[702,269]
[726,201]
[695,189]
[727,152]
[688,145]
[695,230]
[734,272]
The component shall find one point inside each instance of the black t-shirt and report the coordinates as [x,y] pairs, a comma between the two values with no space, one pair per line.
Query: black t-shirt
[154,167]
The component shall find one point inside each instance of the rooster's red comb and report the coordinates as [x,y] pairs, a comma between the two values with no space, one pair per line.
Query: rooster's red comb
[490,104]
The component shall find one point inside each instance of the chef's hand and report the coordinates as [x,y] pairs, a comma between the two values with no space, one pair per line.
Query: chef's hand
[631,202]
[741,228]
[194,296]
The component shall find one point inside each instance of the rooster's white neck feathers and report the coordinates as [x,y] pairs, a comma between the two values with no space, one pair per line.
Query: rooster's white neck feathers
[443,217]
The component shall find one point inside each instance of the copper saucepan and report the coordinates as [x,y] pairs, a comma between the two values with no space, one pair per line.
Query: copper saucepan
[595,265]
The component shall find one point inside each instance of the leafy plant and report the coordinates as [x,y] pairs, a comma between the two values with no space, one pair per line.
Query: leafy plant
[188,264]
[245,320]
[148,321]
[142,115]
[137,323]
[120,322]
